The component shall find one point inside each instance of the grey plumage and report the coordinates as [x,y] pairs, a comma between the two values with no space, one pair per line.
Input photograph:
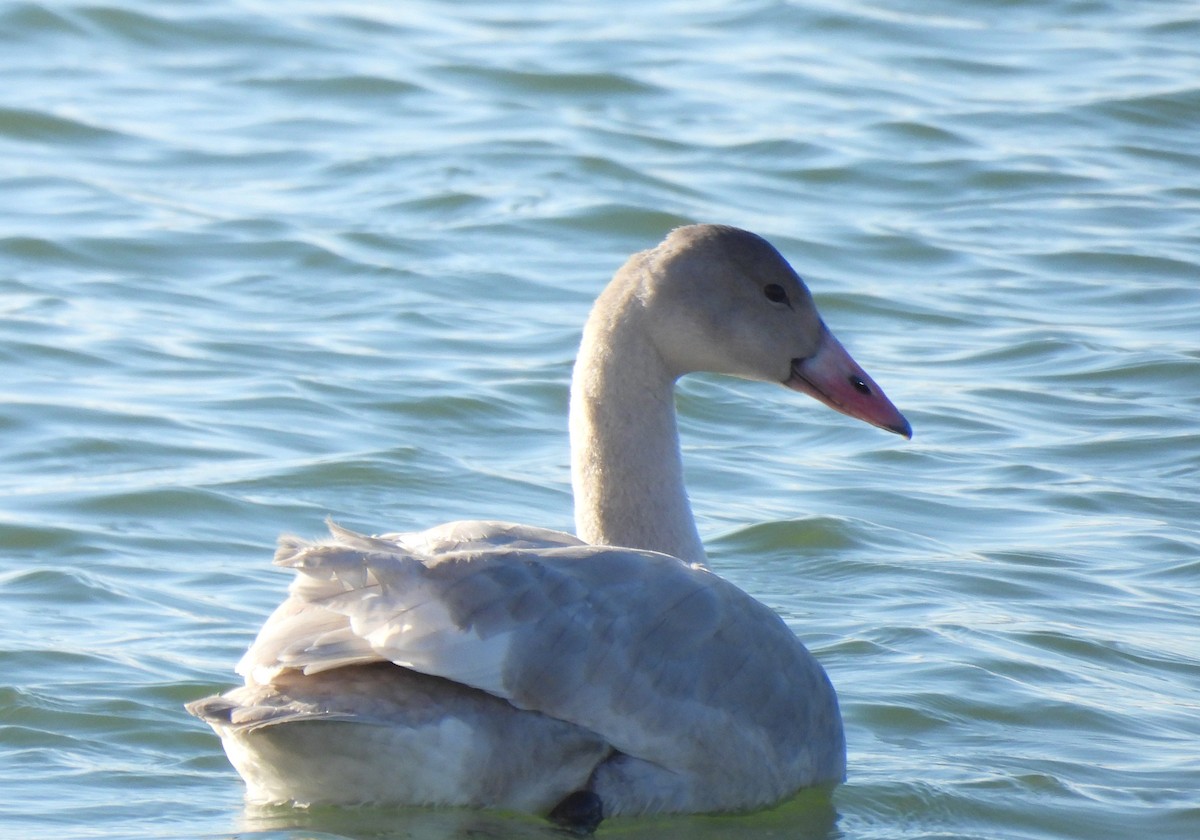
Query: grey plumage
[610,648]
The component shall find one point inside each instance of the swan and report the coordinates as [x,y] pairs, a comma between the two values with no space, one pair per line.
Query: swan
[487,664]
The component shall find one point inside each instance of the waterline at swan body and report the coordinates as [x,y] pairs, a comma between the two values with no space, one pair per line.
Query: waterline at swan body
[495,665]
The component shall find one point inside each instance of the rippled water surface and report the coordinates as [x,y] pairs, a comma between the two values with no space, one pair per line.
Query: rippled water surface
[263,263]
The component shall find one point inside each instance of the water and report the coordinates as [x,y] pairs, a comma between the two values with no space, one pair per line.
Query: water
[264,263]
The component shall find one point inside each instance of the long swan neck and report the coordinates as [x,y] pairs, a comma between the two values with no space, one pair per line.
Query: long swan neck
[626,467]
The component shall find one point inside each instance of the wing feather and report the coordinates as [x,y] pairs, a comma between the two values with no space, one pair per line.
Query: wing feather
[635,646]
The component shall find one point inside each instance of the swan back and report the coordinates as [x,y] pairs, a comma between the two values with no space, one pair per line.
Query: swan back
[547,625]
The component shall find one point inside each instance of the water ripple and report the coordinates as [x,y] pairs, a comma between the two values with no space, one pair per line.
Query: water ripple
[261,268]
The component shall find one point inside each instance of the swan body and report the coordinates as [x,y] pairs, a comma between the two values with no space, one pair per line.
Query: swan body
[496,665]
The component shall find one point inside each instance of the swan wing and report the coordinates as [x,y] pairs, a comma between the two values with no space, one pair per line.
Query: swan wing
[665,661]
[358,599]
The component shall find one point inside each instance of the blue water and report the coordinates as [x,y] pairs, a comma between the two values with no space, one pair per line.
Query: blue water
[264,263]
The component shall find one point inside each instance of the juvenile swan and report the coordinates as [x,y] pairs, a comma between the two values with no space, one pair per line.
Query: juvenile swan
[507,666]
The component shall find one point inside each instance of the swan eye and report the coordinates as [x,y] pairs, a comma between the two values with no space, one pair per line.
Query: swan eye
[776,294]
[860,386]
